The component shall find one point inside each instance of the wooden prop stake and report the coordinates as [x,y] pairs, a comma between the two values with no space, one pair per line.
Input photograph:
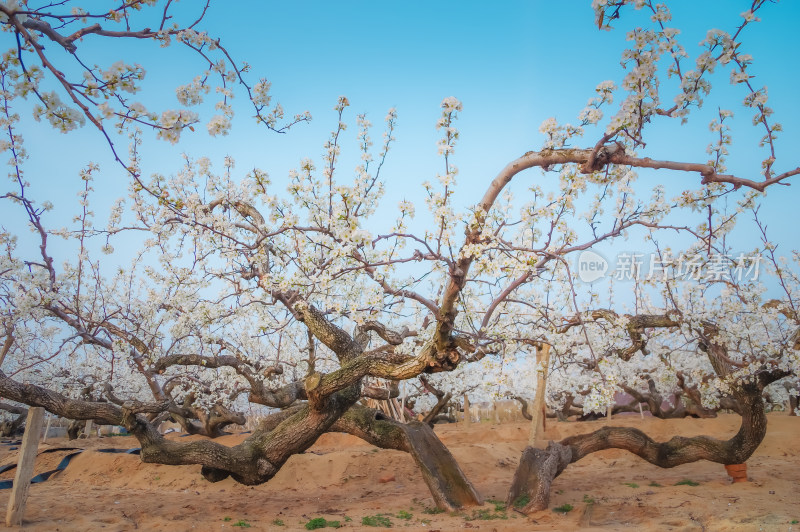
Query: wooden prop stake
[25,463]
[538,411]
[47,429]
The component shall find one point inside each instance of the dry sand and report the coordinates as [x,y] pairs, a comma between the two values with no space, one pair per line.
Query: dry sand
[340,479]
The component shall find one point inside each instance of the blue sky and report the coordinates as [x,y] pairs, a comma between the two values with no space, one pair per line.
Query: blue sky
[512,65]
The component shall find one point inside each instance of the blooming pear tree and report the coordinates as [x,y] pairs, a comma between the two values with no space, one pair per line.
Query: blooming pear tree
[721,346]
[305,299]
[713,339]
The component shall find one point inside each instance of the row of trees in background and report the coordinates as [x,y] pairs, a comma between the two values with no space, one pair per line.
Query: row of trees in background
[311,301]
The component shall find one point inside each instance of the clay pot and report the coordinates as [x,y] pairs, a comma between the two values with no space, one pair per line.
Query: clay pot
[738,472]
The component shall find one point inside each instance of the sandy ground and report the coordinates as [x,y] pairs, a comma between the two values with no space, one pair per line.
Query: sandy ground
[344,479]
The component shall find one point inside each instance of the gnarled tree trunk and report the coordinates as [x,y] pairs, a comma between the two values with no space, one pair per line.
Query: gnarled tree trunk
[259,457]
[523,407]
[536,471]
[446,481]
[74,428]
[538,468]
[9,428]
[212,423]
[253,461]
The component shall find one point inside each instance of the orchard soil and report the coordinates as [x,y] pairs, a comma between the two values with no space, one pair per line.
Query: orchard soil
[344,479]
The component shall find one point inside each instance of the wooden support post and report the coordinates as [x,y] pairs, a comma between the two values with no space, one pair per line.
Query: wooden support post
[641,414]
[47,429]
[404,417]
[495,415]
[88,429]
[467,415]
[538,411]
[25,463]
[609,411]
